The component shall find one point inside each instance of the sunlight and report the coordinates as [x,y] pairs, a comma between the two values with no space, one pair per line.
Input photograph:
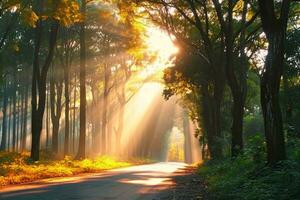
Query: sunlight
[136,120]
[160,42]
[148,182]
[161,46]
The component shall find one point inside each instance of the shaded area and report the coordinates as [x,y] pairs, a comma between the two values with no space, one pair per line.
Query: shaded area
[187,185]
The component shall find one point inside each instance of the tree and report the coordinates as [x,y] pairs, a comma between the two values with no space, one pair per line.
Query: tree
[56,88]
[275,30]
[82,79]
[4,118]
[57,10]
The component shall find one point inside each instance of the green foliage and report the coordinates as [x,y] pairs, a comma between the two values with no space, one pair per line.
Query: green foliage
[249,178]
[253,124]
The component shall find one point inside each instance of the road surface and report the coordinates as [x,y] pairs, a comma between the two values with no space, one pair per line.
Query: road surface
[144,182]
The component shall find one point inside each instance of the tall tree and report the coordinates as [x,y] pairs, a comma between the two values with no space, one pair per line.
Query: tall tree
[4,117]
[39,80]
[60,12]
[274,27]
[82,79]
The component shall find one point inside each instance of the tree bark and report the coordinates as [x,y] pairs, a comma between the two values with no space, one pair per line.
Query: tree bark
[56,108]
[74,112]
[212,118]
[24,134]
[14,97]
[9,125]
[47,119]
[104,110]
[39,80]
[4,118]
[67,110]
[275,30]
[82,77]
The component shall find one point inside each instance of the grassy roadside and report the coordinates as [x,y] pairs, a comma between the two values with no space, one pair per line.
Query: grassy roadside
[16,168]
[249,178]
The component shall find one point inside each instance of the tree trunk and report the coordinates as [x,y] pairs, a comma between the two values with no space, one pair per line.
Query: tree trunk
[275,30]
[104,125]
[18,121]
[9,125]
[236,87]
[74,113]
[270,84]
[212,118]
[67,110]
[47,119]
[82,136]
[237,125]
[56,108]
[22,100]
[96,126]
[187,138]
[24,134]
[39,80]
[4,118]
[14,144]
[104,110]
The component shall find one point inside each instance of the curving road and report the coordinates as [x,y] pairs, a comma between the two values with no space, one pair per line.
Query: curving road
[144,182]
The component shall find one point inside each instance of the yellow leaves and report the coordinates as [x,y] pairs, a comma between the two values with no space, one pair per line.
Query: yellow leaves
[15,168]
[30,17]
[250,14]
[239,6]
[67,12]
[9,4]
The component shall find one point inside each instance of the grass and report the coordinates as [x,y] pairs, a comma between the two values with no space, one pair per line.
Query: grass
[17,168]
[249,178]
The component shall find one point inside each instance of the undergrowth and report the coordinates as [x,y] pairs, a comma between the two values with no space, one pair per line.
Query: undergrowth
[248,177]
[17,168]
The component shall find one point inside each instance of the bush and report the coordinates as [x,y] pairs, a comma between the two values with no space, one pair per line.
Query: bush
[249,178]
[17,168]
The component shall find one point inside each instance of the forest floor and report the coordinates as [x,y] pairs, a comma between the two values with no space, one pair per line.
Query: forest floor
[17,168]
[187,185]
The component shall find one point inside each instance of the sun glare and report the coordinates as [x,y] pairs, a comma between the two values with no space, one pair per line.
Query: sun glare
[161,42]
[160,45]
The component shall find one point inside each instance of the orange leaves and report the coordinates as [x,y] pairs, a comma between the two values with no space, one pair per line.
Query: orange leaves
[67,12]
[29,17]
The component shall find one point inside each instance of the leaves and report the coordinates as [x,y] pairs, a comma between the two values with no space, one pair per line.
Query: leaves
[29,17]
[68,12]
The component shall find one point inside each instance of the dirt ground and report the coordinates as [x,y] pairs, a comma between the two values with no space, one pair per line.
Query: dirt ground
[187,185]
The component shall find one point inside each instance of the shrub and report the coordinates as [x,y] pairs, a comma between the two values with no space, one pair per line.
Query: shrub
[17,168]
[249,178]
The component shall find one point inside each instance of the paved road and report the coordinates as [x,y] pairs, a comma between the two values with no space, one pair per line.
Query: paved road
[143,182]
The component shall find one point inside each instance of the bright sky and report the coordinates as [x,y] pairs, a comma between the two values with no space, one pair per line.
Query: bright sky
[159,43]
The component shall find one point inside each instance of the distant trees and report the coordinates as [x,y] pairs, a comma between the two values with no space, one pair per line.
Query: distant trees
[92,52]
[220,41]
[58,14]
[215,39]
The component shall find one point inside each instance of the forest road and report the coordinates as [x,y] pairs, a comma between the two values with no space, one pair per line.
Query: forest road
[143,182]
